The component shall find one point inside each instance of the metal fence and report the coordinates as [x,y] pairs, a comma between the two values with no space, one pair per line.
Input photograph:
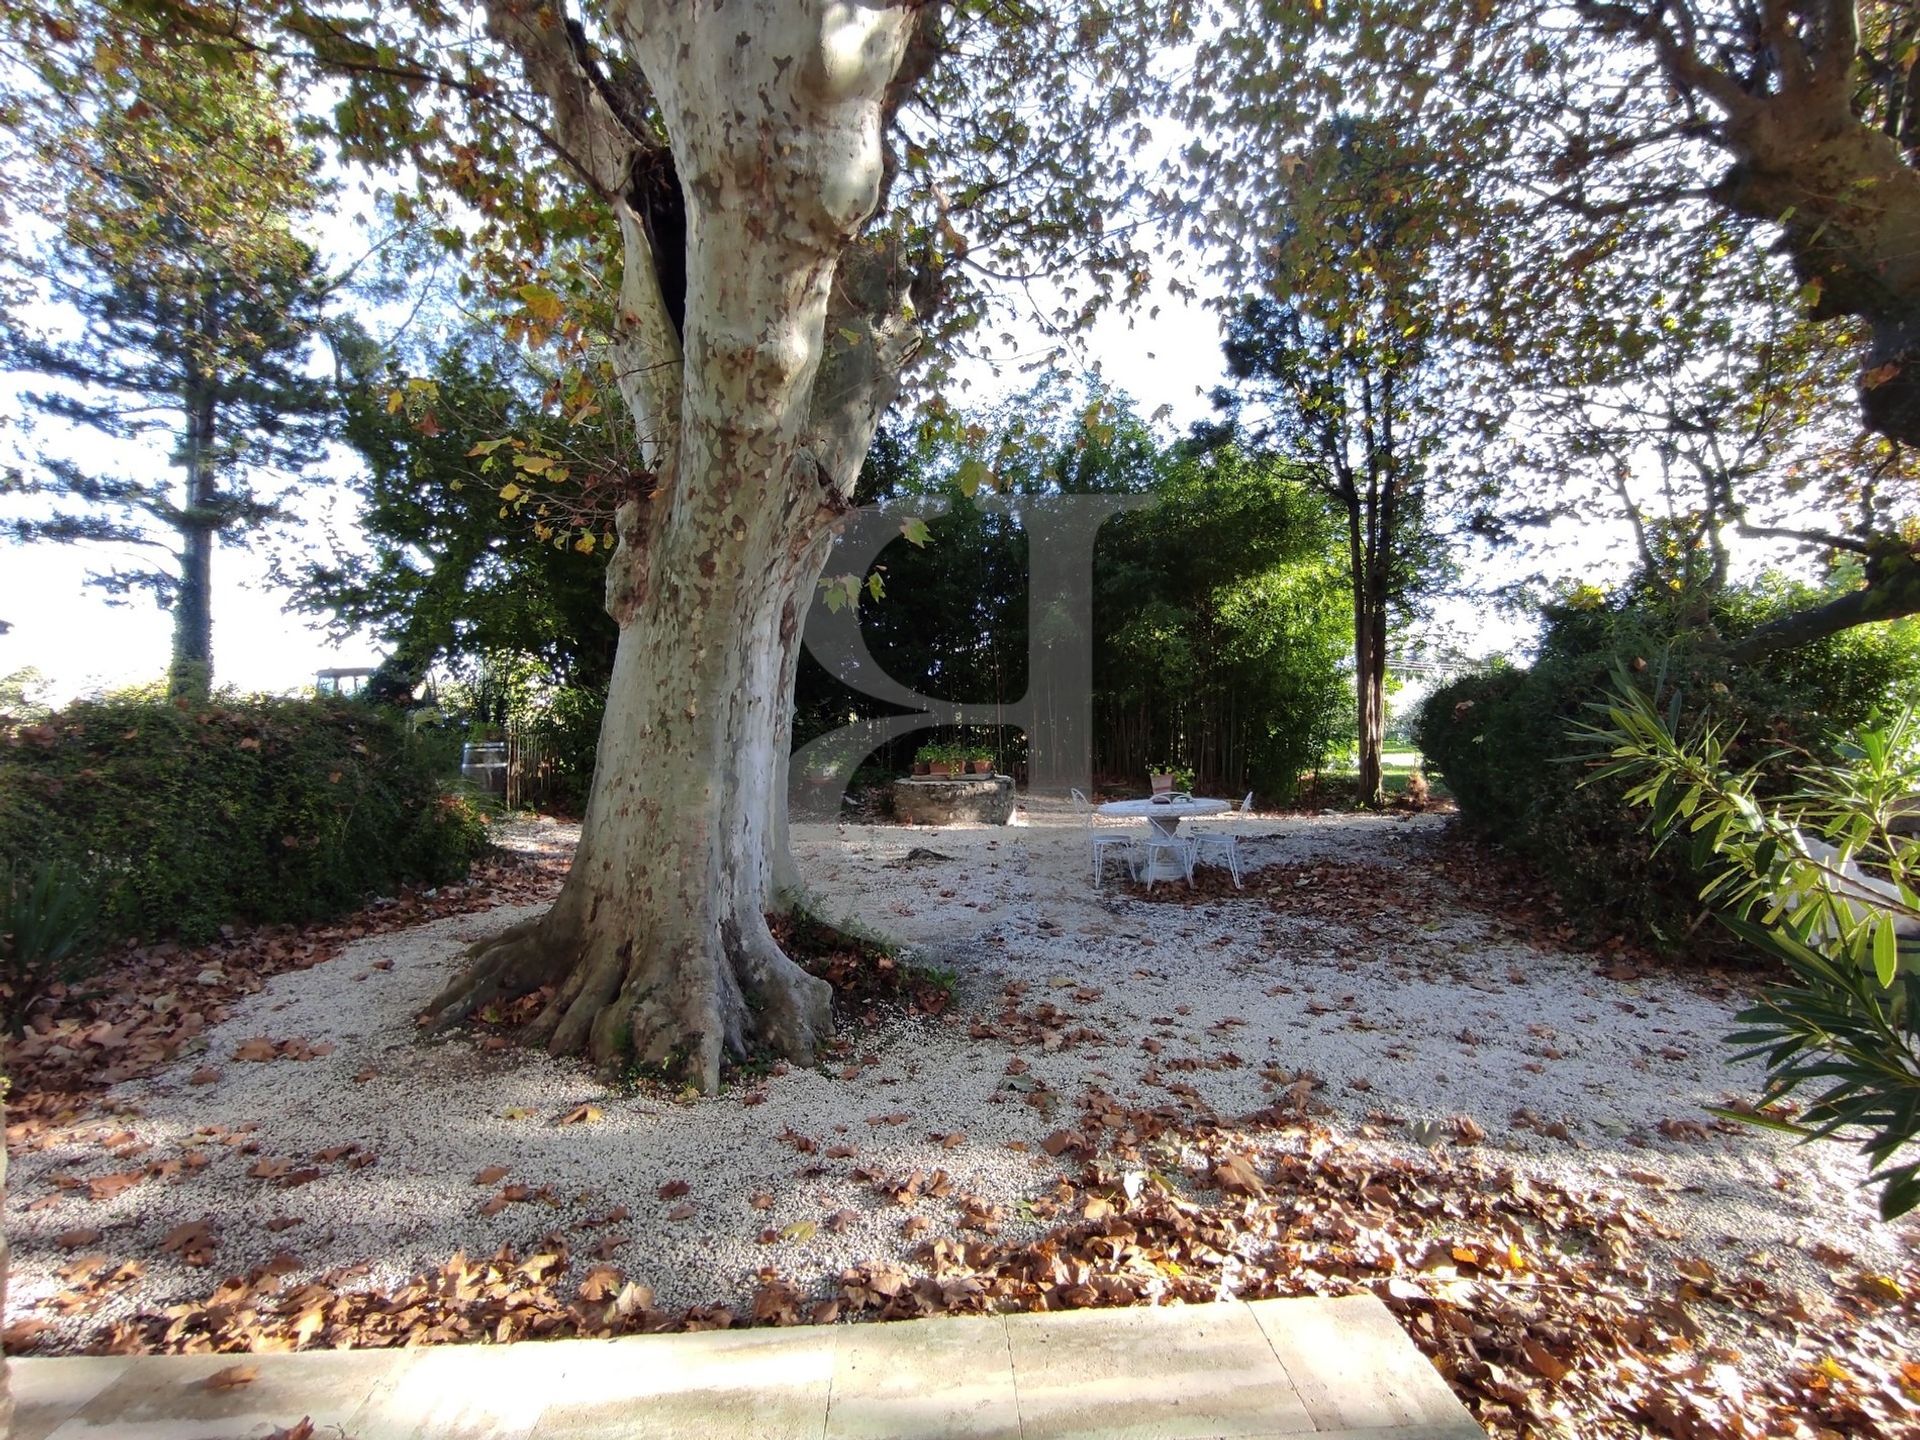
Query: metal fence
[515,771]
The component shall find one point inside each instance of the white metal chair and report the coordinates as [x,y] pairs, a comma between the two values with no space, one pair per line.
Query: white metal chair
[1099,844]
[1208,844]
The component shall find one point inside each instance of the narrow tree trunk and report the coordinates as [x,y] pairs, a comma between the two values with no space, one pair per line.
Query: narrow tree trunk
[658,950]
[1370,712]
[190,673]
[1368,651]
[1373,715]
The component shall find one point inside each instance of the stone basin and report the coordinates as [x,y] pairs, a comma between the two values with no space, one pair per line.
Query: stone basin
[953,800]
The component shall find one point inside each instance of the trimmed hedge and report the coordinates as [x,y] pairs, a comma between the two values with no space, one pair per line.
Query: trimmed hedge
[182,820]
[1504,742]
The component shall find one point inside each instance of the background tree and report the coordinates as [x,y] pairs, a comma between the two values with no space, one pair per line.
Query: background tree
[1642,134]
[1219,610]
[454,571]
[950,615]
[177,243]
[1718,414]
[1342,366]
[1220,617]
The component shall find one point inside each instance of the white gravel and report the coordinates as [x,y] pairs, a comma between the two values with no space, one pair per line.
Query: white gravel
[1424,1016]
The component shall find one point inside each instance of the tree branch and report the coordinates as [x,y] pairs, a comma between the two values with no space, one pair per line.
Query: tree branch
[595,137]
[1806,537]
[1683,65]
[1890,593]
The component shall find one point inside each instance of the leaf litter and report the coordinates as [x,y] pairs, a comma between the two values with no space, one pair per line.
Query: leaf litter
[1557,1299]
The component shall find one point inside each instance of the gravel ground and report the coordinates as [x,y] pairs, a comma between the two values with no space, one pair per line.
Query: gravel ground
[1414,1020]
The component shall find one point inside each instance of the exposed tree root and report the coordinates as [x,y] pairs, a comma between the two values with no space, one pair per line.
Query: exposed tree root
[679,1010]
[516,962]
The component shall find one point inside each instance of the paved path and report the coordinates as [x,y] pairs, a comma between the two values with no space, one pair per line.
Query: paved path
[1333,1369]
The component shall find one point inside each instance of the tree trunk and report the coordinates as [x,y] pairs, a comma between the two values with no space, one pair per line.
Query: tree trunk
[1369,651]
[1370,697]
[190,673]
[1849,204]
[1373,738]
[658,948]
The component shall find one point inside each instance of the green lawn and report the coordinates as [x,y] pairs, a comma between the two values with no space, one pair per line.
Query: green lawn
[1396,766]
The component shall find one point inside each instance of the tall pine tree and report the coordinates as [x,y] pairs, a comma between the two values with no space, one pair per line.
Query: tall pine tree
[175,204]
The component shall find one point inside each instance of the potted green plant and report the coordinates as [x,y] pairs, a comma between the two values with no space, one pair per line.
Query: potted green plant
[979,760]
[939,760]
[1167,777]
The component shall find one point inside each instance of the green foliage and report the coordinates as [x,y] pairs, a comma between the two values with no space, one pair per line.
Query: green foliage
[1621,261]
[1503,742]
[21,694]
[180,820]
[1221,615]
[567,729]
[956,753]
[1845,1021]
[1220,611]
[470,554]
[1341,364]
[1182,775]
[47,919]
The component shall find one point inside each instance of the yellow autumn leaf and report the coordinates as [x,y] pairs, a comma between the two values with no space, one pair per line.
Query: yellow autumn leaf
[1883,1287]
[542,303]
[511,491]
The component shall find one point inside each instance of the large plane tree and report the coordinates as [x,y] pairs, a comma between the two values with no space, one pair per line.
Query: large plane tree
[796,199]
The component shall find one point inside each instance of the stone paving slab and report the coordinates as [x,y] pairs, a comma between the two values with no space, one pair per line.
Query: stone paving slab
[1265,1370]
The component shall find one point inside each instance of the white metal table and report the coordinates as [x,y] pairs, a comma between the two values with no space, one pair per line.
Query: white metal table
[1165,818]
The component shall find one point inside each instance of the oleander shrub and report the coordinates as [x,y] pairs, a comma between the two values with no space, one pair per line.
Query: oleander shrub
[179,820]
[1502,741]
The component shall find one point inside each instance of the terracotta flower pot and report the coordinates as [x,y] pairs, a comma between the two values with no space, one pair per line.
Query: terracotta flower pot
[980,767]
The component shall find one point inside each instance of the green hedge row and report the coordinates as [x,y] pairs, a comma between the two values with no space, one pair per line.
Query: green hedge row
[1504,741]
[181,820]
